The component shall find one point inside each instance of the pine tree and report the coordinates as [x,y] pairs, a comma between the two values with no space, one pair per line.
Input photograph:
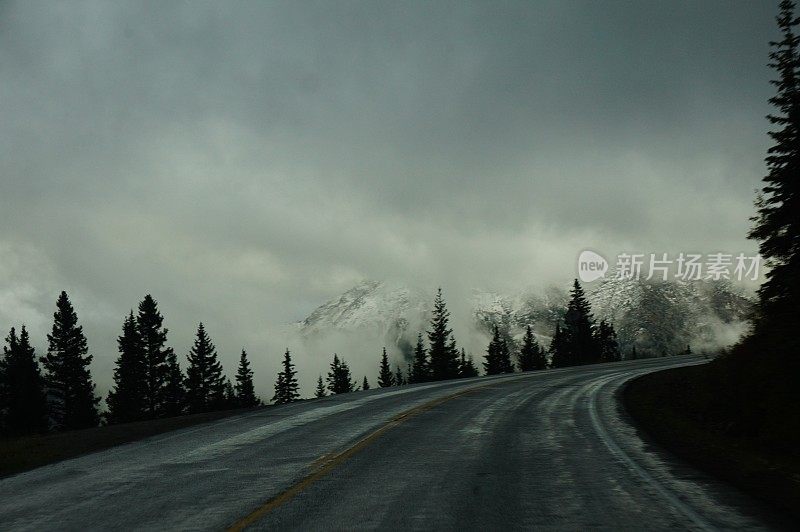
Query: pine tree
[149,322]
[777,224]
[505,326]
[126,401]
[385,377]
[365,384]
[531,355]
[466,367]
[558,350]
[245,389]
[67,378]
[205,384]
[25,404]
[339,378]
[606,339]
[286,384]
[578,331]
[419,365]
[399,380]
[4,393]
[443,360]
[174,398]
[230,395]
[320,392]
[455,354]
[498,358]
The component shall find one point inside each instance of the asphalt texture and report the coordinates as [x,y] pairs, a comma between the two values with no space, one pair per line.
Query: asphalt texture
[541,450]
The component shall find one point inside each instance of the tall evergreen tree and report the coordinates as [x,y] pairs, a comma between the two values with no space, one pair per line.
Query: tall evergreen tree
[498,358]
[149,322]
[174,398]
[4,392]
[466,367]
[127,399]
[205,384]
[245,389]
[777,224]
[399,380]
[230,395]
[320,392]
[365,384]
[385,377]
[531,355]
[73,404]
[339,378]
[606,339]
[419,365]
[505,324]
[286,384]
[443,360]
[559,354]
[25,405]
[578,329]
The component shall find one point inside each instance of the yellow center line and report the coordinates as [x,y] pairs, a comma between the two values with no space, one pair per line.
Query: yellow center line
[323,465]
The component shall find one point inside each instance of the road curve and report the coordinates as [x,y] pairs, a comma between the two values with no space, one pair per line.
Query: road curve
[548,449]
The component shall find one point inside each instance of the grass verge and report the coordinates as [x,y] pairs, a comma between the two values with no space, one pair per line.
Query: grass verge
[688,410]
[23,453]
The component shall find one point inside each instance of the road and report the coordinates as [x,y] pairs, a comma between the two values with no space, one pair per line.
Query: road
[548,449]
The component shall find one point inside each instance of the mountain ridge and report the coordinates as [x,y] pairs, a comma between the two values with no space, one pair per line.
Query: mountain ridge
[657,317]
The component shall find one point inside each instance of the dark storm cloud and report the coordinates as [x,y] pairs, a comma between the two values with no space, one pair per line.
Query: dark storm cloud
[243,161]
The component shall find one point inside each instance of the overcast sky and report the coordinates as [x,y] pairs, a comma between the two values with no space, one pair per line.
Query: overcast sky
[245,161]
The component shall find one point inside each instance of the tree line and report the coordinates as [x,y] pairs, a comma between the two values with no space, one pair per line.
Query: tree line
[148,380]
[578,340]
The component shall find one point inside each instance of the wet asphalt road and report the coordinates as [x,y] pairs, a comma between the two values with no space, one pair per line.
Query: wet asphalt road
[548,449]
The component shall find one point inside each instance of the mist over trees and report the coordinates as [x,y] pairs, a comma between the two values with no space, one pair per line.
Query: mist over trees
[148,381]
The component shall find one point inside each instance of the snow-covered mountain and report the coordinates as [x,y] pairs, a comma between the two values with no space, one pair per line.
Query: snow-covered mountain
[390,311]
[656,317]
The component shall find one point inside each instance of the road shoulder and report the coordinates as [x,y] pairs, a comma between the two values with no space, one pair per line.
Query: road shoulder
[667,406]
